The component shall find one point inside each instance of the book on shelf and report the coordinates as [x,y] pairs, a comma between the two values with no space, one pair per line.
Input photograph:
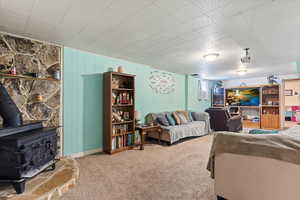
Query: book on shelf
[120,129]
[122,141]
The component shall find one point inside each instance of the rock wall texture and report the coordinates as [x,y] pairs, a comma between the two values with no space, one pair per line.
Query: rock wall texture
[29,56]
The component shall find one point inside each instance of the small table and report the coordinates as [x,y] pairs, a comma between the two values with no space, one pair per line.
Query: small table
[143,130]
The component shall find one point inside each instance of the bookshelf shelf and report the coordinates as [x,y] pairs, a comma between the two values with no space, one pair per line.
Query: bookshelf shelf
[2,75]
[122,105]
[271,106]
[119,107]
[120,134]
[125,122]
[123,89]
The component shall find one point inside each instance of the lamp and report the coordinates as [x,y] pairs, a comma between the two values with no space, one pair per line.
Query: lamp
[137,116]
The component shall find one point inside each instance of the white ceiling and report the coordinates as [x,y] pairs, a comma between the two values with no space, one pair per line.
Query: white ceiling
[171,35]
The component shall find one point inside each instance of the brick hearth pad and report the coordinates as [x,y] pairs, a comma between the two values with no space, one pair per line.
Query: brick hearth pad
[49,185]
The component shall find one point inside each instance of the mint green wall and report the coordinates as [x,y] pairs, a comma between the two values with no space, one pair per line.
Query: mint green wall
[192,102]
[83,111]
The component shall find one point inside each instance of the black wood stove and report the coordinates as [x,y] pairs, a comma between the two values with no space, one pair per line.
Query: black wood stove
[26,149]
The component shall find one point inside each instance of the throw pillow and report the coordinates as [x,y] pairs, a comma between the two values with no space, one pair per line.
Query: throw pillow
[177,119]
[197,116]
[185,113]
[200,116]
[190,116]
[171,120]
[162,120]
[261,131]
[182,118]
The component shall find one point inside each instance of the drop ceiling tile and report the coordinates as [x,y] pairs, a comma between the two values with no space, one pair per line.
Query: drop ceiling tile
[210,5]
[81,14]
[40,30]
[181,10]
[51,12]
[12,22]
[236,8]
[19,7]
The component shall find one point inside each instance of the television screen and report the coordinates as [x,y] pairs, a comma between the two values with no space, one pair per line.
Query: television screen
[243,96]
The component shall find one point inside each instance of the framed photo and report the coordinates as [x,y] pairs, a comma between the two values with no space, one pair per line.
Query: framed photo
[288,92]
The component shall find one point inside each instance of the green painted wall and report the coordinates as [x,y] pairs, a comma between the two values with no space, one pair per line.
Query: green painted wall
[192,102]
[83,97]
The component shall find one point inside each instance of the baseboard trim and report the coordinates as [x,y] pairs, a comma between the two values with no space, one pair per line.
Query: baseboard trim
[85,153]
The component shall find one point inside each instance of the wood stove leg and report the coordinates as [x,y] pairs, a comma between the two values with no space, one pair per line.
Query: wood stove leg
[19,186]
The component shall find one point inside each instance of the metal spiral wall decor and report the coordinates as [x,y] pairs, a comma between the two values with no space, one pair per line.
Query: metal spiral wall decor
[162,82]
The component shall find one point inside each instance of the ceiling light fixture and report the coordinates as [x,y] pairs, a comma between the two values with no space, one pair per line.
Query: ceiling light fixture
[211,56]
[242,72]
[246,59]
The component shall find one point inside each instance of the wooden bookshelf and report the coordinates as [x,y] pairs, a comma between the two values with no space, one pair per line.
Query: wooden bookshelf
[270,109]
[119,107]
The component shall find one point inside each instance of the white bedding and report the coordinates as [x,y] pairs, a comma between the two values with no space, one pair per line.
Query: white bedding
[292,132]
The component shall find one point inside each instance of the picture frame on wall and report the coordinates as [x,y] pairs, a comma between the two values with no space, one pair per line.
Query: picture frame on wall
[288,92]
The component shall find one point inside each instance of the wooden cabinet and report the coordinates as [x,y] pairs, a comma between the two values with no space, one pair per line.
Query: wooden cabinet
[267,113]
[270,121]
[270,108]
[119,107]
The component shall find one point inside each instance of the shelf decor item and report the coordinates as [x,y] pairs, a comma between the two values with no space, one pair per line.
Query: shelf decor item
[121,69]
[288,92]
[119,109]
[56,75]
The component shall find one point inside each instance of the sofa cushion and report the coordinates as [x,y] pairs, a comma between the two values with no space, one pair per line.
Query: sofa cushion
[195,128]
[162,119]
[171,120]
[177,119]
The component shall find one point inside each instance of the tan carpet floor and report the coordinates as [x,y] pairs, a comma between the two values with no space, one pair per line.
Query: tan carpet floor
[159,172]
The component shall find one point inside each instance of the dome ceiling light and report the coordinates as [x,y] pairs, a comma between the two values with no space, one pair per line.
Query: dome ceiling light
[211,56]
[242,72]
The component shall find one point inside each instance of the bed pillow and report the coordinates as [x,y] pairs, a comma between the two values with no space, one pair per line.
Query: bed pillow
[182,118]
[162,120]
[177,119]
[171,120]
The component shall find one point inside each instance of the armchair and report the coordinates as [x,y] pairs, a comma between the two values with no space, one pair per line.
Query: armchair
[221,120]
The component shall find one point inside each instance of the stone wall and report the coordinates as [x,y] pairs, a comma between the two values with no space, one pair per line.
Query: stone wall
[29,56]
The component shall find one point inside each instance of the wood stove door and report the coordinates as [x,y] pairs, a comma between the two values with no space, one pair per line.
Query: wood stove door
[39,152]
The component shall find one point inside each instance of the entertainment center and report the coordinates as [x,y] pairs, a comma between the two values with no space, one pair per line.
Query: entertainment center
[258,105]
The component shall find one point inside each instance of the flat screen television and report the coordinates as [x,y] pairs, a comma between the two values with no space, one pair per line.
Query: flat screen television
[242,96]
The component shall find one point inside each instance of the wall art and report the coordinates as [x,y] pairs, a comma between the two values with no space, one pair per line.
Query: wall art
[162,82]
